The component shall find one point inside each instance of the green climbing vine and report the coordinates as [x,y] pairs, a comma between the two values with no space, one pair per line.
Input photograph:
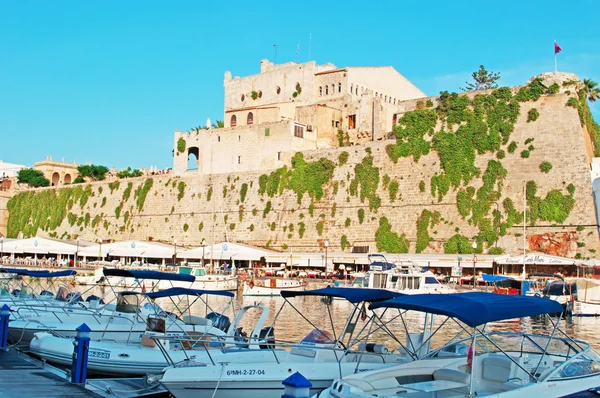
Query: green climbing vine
[366,176]
[426,220]
[141,192]
[389,241]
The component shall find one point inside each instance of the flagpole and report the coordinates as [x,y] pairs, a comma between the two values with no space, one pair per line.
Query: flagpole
[555,66]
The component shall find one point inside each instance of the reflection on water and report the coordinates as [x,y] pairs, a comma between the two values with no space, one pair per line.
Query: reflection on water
[291,325]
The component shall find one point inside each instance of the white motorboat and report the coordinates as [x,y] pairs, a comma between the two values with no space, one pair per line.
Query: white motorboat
[321,356]
[587,298]
[498,364]
[156,350]
[125,321]
[272,286]
[204,280]
[406,278]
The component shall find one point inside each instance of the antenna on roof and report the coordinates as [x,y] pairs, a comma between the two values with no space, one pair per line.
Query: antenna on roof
[309,44]
[275,45]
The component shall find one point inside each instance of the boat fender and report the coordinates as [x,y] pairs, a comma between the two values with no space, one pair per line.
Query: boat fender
[374,348]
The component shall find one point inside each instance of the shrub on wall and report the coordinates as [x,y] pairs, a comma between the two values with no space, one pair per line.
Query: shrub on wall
[180,190]
[344,243]
[34,178]
[532,115]
[181,145]
[545,167]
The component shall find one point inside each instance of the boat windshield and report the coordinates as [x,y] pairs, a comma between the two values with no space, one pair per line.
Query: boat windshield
[319,336]
[199,272]
[431,280]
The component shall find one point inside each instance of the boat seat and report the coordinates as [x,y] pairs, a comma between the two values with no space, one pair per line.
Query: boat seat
[452,375]
[148,342]
[501,374]
[196,320]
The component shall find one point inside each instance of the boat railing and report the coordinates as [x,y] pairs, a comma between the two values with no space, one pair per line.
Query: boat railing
[210,343]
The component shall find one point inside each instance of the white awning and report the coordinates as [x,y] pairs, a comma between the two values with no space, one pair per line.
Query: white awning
[38,246]
[130,248]
[227,251]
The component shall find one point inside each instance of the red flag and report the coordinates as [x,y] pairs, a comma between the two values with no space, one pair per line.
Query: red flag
[143,287]
[557,48]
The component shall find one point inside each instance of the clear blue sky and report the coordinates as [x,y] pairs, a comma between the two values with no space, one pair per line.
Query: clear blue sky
[109,81]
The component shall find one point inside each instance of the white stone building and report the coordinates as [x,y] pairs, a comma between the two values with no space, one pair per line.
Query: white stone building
[293,107]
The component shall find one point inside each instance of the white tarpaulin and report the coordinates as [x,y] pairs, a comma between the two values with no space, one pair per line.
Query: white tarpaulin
[226,251]
[38,246]
[534,258]
[130,248]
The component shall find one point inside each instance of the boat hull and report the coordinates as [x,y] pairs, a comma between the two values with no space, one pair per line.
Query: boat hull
[275,290]
[255,380]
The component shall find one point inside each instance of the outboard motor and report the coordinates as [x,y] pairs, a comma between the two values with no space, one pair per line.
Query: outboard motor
[92,297]
[267,334]
[219,321]
[16,292]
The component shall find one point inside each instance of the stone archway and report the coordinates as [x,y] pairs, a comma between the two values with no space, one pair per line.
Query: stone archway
[55,179]
[67,179]
[193,158]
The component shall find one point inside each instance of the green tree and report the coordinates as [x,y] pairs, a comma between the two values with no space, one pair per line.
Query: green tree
[591,90]
[92,171]
[35,178]
[218,124]
[482,80]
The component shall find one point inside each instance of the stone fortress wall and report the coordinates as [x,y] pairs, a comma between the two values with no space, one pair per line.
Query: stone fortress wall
[218,207]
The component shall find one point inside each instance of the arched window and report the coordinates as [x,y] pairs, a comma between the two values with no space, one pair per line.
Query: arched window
[326,90]
[394,101]
[351,88]
[320,90]
[333,89]
[233,121]
[356,90]
[339,87]
[394,119]
[250,118]
[376,94]
[385,99]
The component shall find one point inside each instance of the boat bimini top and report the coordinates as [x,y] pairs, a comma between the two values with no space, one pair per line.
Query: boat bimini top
[144,274]
[351,294]
[474,309]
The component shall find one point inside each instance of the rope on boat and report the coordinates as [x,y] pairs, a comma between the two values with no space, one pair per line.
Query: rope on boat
[219,381]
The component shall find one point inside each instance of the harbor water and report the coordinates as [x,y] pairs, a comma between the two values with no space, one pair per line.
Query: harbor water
[291,325]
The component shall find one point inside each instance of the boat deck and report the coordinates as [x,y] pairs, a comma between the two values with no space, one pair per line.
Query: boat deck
[23,376]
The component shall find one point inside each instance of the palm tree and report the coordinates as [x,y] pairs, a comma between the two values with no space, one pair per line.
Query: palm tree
[218,124]
[591,90]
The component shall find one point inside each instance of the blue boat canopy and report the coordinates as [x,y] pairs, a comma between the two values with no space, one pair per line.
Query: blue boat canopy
[352,294]
[180,291]
[167,276]
[494,278]
[38,273]
[475,308]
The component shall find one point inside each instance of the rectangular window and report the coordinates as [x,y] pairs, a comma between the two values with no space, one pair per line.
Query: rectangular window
[332,123]
[298,131]
[239,160]
[337,123]
[278,155]
[351,122]
[326,90]
[218,138]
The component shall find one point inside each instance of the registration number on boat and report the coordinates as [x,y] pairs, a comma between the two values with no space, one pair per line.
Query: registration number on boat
[99,354]
[245,372]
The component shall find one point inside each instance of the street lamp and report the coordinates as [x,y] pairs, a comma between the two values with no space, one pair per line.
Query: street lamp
[326,247]
[203,245]
[101,255]
[474,246]
[77,253]
[175,253]
[1,249]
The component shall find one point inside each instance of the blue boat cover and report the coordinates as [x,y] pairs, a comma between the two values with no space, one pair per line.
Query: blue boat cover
[475,308]
[167,276]
[352,294]
[38,273]
[494,278]
[180,291]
